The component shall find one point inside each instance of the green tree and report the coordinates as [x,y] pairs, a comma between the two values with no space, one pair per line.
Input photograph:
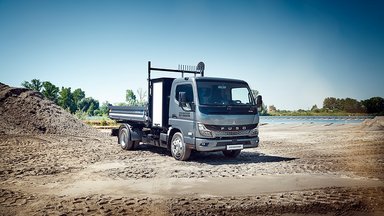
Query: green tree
[264,109]
[374,105]
[78,95]
[88,105]
[330,103]
[35,85]
[103,109]
[315,109]
[272,108]
[130,98]
[352,105]
[91,109]
[27,85]
[66,99]
[50,91]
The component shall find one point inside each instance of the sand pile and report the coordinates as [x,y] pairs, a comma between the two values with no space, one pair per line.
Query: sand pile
[23,111]
[373,124]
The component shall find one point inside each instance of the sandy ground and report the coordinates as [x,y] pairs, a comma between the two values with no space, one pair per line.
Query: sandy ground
[298,169]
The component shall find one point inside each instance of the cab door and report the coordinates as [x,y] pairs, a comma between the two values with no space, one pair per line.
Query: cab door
[182,113]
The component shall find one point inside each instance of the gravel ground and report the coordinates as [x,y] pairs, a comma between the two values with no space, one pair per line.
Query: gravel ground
[298,169]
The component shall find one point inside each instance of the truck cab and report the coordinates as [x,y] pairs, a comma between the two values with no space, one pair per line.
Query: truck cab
[213,114]
[193,113]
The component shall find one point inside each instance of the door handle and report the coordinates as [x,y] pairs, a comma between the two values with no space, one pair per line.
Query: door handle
[174,116]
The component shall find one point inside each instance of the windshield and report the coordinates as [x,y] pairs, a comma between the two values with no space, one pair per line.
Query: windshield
[224,93]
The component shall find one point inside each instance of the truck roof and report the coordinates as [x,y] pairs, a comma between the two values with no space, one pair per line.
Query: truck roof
[213,79]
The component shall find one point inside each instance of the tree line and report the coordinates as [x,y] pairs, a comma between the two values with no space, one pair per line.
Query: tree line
[76,101]
[374,105]
[371,106]
[73,101]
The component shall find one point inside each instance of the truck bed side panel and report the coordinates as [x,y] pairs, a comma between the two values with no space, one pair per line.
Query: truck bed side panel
[126,113]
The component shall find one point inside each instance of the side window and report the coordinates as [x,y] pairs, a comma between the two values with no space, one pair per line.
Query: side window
[187,88]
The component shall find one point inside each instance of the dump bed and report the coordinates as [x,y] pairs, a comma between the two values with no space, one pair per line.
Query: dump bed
[128,114]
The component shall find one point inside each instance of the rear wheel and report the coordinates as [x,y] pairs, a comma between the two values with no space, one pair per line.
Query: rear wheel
[178,148]
[124,139]
[231,153]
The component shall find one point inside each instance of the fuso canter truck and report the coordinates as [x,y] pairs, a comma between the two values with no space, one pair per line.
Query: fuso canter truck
[191,113]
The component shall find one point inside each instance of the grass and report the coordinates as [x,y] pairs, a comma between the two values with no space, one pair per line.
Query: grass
[100,122]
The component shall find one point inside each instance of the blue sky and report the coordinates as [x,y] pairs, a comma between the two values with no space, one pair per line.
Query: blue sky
[295,53]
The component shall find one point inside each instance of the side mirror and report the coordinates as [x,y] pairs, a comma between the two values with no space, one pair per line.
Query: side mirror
[184,103]
[259,101]
[182,99]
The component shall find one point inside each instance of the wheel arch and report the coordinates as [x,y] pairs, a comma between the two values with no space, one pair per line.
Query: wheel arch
[134,131]
[170,135]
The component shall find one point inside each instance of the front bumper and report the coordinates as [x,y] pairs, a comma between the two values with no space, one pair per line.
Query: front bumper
[221,144]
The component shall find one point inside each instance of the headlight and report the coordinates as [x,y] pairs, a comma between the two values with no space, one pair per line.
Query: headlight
[204,131]
[254,131]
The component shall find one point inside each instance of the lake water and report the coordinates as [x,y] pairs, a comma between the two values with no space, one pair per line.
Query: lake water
[313,119]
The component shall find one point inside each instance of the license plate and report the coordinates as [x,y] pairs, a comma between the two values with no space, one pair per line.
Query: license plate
[234,147]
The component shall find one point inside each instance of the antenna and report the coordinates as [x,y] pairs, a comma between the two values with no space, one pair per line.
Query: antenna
[200,67]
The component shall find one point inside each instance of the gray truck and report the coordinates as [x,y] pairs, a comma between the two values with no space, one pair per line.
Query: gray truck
[191,113]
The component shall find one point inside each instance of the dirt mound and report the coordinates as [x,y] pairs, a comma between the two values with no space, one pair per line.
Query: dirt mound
[23,111]
[373,124]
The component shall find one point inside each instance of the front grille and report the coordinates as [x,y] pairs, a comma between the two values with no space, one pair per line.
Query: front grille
[230,130]
[231,133]
[230,127]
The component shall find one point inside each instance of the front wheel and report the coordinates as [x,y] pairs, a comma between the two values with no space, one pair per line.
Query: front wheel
[231,153]
[178,148]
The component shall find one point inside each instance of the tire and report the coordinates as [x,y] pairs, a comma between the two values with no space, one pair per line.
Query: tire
[124,139]
[231,153]
[178,148]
